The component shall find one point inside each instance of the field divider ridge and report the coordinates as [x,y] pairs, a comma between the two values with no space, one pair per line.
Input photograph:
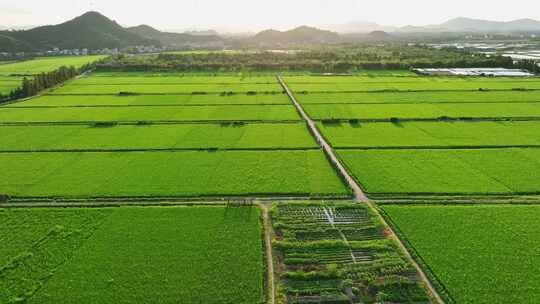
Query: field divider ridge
[211,149]
[449,147]
[146,122]
[433,119]
[150,105]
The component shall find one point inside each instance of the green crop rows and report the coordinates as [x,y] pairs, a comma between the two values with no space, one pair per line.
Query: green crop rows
[413,135]
[7,84]
[446,171]
[149,113]
[154,100]
[421,97]
[148,174]
[432,134]
[170,78]
[413,111]
[131,255]
[46,64]
[168,88]
[148,137]
[480,254]
[158,145]
[345,84]
[337,253]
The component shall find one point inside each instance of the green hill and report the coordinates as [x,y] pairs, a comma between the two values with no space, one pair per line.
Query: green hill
[91,30]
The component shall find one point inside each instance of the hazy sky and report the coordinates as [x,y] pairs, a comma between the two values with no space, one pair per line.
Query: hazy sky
[251,15]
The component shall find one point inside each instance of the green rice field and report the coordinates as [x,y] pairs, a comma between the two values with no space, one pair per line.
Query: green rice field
[148,137]
[161,138]
[168,174]
[170,79]
[423,111]
[432,134]
[131,254]
[153,100]
[478,254]
[46,64]
[198,88]
[421,97]
[392,77]
[446,171]
[416,84]
[149,113]
[8,84]
[189,145]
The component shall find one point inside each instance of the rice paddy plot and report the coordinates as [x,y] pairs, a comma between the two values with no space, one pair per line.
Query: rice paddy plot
[131,254]
[392,76]
[149,137]
[145,100]
[337,253]
[168,174]
[421,97]
[201,88]
[5,89]
[422,111]
[46,64]
[432,134]
[150,113]
[170,78]
[9,83]
[440,171]
[488,84]
[480,254]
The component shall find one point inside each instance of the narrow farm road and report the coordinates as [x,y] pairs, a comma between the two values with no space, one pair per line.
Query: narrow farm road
[269,255]
[359,194]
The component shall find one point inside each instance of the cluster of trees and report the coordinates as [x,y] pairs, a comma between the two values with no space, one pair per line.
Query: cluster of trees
[324,60]
[529,65]
[37,83]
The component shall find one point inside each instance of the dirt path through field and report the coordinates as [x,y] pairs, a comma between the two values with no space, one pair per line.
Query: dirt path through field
[358,193]
[269,253]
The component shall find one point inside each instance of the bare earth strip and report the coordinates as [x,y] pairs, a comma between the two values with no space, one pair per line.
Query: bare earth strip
[269,253]
[358,193]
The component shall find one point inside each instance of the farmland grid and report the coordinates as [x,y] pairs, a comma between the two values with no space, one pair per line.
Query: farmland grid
[204,135]
[388,139]
[394,140]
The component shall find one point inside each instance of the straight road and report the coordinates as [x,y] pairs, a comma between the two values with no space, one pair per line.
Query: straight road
[359,195]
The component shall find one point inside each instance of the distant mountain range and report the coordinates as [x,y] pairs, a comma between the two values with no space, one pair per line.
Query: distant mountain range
[454,25]
[477,25]
[299,36]
[176,39]
[93,31]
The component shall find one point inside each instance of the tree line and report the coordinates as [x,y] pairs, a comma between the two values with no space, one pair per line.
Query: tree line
[39,82]
[325,60]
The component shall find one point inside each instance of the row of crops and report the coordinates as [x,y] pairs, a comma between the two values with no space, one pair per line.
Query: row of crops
[338,253]
[409,136]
